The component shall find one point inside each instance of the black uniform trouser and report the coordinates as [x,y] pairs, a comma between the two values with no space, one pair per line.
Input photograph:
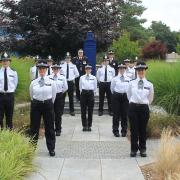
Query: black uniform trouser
[87,103]
[138,117]
[58,111]
[104,88]
[70,92]
[77,88]
[7,109]
[120,108]
[43,109]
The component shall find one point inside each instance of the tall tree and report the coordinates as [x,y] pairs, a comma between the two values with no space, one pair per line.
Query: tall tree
[55,26]
[163,33]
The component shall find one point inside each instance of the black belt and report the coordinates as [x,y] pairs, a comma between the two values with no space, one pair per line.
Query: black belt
[42,102]
[59,93]
[6,93]
[87,91]
[138,105]
[122,94]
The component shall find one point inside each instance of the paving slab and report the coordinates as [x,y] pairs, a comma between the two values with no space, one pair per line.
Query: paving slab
[74,169]
[126,169]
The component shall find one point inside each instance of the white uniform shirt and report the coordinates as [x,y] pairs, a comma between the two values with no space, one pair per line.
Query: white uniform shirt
[48,91]
[88,83]
[73,72]
[33,71]
[61,83]
[131,73]
[49,69]
[12,78]
[140,96]
[119,86]
[101,73]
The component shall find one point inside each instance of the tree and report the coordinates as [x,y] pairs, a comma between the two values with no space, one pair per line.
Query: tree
[178,48]
[55,26]
[154,50]
[163,33]
[125,48]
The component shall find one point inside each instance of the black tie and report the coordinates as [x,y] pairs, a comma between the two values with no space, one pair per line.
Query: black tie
[36,73]
[5,80]
[105,77]
[67,74]
[48,71]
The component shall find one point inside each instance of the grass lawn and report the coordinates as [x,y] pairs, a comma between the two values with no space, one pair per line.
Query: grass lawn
[22,66]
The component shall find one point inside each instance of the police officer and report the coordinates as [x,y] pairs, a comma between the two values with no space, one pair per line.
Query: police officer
[50,63]
[70,72]
[62,87]
[112,62]
[130,70]
[34,70]
[8,84]
[80,61]
[43,93]
[104,77]
[140,94]
[120,102]
[88,87]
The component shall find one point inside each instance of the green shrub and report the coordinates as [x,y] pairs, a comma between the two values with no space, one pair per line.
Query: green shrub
[16,156]
[22,66]
[166,80]
[125,48]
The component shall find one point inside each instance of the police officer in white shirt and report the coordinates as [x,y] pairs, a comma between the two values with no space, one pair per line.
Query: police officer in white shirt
[8,85]
[70,72]
[120,102]
[50,63]
[140,94]
[104,77]
[34,70]
[130,71]
[43,93]
[88,88]
[62,87]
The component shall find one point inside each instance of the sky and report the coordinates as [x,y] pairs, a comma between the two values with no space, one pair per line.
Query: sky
[167,11]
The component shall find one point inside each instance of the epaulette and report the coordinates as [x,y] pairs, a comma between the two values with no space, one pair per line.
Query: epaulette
[51,78]
[62,74]
[133,79]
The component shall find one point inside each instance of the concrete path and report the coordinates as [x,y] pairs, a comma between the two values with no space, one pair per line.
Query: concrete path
[95,155]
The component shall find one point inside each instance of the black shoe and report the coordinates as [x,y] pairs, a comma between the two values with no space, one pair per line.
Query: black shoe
[117,134]
[84,129]
[100,113]
[133,154]
[72,113]
[89,129]
[58,133]
[52,153]
[143,153]
[123,134]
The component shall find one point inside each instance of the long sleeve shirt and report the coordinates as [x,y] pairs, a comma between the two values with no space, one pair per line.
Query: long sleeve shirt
[45,92]
[12,80]
[88,82]
[73,72]
[142,95]
[101,73]
[118,85]
[61,82]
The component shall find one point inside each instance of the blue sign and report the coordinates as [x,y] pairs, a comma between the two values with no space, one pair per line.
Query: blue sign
[90,50]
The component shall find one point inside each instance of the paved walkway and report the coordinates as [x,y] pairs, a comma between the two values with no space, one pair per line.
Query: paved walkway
[95,155]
